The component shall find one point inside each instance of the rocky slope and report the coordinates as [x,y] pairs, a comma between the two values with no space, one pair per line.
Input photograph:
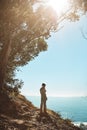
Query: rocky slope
[19,114]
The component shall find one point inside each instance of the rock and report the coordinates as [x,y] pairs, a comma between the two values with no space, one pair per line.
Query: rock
[83,127]
[23,115]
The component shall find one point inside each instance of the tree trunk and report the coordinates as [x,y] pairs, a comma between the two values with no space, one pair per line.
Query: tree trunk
[4,61]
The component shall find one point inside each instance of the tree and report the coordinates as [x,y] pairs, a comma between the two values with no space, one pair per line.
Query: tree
[24,28]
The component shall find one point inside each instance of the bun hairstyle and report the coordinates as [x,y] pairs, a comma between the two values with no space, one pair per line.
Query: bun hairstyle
[43,84]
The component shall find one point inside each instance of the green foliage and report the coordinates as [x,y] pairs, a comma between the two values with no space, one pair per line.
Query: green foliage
[78,6]
[24,28]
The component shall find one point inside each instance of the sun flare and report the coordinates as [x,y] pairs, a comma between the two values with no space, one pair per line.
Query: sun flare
[59,5]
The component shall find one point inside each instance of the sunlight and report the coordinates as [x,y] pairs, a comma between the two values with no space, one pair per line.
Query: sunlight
[59,5]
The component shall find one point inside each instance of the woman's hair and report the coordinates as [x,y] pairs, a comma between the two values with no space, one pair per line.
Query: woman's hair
[43,84]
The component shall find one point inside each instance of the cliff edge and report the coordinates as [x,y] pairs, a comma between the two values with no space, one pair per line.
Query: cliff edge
[20,114]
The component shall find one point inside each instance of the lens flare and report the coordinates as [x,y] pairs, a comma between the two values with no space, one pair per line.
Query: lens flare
[60,6]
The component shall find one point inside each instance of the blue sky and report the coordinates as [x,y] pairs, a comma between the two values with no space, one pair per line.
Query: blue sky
[63,67]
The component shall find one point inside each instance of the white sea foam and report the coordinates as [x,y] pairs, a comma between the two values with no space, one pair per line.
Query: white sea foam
[79,123]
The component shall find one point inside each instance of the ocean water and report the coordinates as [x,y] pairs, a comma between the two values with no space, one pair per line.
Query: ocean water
[73,108]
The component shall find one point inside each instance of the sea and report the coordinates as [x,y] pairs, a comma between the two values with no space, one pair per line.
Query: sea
[73,108]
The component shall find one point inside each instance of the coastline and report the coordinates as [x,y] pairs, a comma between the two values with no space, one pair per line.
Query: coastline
[29,116]
[79,123]
[67,107]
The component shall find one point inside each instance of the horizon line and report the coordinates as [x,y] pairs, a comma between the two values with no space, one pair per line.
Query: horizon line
[65,96]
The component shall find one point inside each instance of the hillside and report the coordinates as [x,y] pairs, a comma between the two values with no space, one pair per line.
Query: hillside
[18,113]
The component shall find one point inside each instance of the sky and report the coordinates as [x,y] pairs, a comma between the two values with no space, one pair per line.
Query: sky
[63,67]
